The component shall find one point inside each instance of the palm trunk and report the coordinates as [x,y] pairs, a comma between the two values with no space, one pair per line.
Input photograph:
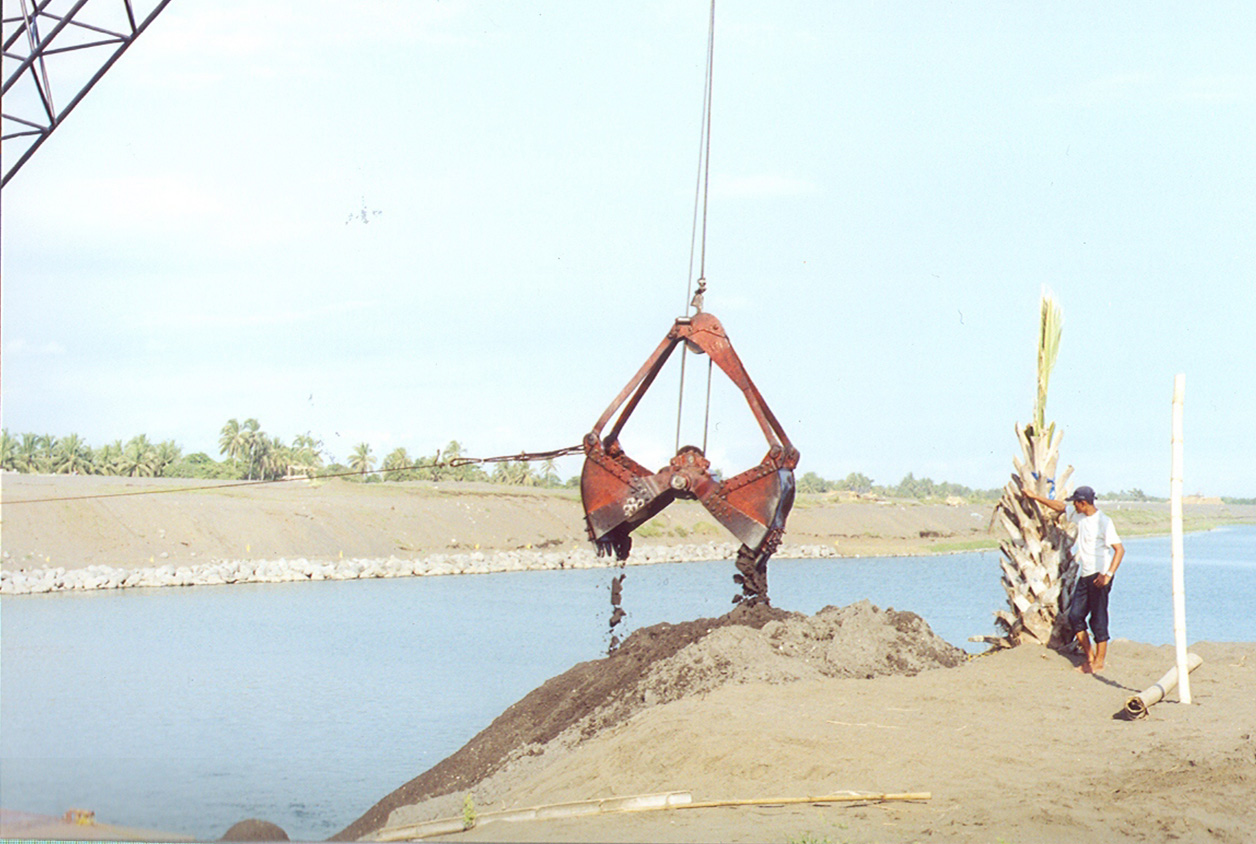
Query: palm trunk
[1038,566]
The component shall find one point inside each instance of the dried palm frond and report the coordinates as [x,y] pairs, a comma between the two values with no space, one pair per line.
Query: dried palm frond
[1049,330]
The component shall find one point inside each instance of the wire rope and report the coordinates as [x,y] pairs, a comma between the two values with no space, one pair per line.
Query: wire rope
[698,244]
[454,463]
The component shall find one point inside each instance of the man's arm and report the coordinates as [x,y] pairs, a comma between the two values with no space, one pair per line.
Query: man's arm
[1118,554]
[1057,506]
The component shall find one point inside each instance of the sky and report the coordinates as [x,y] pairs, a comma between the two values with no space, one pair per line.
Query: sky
[403,223]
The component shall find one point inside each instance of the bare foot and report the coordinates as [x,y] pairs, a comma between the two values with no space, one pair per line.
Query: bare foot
[1084,668]
[1096,668]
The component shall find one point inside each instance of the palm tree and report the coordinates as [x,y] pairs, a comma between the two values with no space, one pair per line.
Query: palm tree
[232,440]
[276,459]
[106,458]
[8,452]
[454,451]
[307,454]
[139,458]
[426,469]
[516,473]
[1038,567]
[501,473]
[73,456]
[397,465]
[166,455]
[28,453]
[47,452]
[261,454]
[255,446]
[361,459]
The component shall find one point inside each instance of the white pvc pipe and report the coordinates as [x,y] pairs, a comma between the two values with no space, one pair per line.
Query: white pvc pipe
[1175,518]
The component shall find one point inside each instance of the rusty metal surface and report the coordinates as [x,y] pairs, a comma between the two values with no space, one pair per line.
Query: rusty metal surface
[620,494]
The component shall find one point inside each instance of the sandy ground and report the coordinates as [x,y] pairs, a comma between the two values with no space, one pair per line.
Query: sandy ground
[100,520]
[25,826]
[1016,746]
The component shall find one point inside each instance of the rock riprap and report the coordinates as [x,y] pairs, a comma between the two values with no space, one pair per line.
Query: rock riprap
[221,572]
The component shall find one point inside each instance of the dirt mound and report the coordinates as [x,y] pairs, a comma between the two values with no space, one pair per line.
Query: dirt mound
[855,641]
[668,662]
[253,829]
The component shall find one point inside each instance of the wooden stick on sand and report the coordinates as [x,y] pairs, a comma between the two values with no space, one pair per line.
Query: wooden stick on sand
[1137,706]
[615,805]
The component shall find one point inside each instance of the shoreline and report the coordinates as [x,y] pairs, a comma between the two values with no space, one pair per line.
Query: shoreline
[221,573]
[96,532]
[95,577]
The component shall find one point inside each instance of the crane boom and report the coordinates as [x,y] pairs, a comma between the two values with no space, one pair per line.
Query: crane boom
[70,43]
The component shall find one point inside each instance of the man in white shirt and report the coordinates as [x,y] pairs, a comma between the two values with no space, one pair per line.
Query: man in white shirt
[1098,551]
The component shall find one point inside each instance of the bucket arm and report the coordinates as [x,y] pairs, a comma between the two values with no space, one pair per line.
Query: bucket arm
[620,494]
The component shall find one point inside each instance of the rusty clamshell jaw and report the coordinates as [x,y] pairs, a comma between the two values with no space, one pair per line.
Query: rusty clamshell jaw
[620,494]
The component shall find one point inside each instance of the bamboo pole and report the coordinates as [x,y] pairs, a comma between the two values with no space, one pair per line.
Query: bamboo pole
[548,811]
[1175,517]
[668,800]
[1137,706]
[789,801]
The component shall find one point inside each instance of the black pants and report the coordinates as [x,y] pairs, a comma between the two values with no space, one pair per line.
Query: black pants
[1090,600]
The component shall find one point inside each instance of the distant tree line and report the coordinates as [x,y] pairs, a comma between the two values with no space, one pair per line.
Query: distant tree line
[1134,494]
[250,453]
[71,455]
[910,486]
[1138,495]
[400,465]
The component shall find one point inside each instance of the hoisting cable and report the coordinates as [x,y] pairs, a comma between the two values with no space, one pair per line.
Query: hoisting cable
[701,193]
[706,154]
[452,463]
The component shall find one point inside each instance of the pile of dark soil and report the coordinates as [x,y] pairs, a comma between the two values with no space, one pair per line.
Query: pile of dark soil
[667,662]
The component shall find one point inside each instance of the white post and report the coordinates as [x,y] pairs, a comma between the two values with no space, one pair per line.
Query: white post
[1175,519]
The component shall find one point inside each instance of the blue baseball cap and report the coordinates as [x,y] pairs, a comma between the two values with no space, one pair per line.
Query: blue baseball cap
[1082,493]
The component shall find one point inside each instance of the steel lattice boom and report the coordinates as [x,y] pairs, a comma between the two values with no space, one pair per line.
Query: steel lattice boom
[54,52]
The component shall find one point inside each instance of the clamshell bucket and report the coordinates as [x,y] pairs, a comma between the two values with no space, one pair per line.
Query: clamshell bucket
[620,494]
